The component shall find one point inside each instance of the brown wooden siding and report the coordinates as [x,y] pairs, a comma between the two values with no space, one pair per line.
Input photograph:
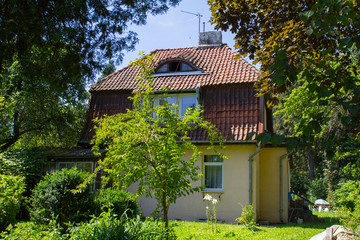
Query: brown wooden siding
[232,108]
[104,103]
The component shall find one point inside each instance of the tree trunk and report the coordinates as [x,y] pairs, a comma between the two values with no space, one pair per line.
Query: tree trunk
[15,133]
[165,212]
[311,167]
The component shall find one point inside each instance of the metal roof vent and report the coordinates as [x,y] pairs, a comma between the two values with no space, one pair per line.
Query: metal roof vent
[210,39]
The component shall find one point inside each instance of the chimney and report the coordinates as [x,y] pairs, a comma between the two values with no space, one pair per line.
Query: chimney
[210,39]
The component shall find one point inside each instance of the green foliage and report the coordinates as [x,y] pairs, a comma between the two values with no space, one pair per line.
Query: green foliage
[27,162]
[109,69]
[53,198]
[107,226]
[313,41]
[50,51]
[347,199]
[347,194]
[248,218]
[147,145]
[33,231]
[11,189]
[318,189]
[118,201]
[352,218]
[299,182]
[39,113]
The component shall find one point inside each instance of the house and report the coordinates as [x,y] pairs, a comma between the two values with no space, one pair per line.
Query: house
[209,75]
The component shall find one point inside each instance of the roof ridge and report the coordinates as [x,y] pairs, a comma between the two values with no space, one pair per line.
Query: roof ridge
[219,61]
[194,47]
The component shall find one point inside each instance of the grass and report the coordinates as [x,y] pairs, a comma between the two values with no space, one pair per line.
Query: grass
[202,231]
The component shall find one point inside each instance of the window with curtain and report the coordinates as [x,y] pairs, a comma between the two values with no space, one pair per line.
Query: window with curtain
[184,101]
[213,172]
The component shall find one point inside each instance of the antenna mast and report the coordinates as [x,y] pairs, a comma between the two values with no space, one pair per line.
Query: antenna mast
[199,16]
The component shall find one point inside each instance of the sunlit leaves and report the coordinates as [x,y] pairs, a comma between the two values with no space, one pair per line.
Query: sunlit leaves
[147,144]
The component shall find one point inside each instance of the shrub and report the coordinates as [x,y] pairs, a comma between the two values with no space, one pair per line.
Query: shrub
[53,198]
[352,218]
[31,230]
[299,182]
[248,218]
[108,226]
[25,162]
[318,189]
[118,201]
[11,188]
[346,195]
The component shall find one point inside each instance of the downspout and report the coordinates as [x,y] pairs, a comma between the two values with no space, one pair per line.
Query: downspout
[250,173]
[197,95]
[281,186]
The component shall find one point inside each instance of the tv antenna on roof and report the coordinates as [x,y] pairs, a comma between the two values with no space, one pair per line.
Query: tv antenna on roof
[198,15]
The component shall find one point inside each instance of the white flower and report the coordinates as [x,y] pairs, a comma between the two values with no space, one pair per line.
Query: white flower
[214,201]
[207,207]
[208,197]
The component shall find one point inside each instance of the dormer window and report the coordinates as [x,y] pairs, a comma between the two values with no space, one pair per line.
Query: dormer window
[174,66]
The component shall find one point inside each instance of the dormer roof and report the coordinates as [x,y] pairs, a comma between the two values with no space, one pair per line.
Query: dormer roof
[215,66]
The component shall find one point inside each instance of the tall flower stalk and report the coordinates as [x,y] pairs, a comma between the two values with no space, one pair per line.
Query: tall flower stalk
[211,213]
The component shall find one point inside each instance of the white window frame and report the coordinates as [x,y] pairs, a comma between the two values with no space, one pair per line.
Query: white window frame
[75,163]
[222,174]
[178,100]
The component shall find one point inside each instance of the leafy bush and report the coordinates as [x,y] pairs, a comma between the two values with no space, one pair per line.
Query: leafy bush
[299,182]
[118,201]
[107,226]
[346,195]
[31,230]
[248,218]
[53,198]
[318,189]
[352,218]
[27,162]
[11,188]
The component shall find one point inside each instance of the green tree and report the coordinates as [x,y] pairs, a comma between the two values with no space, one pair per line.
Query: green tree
[147,145]
[39,113]
[109,69]
[50,50]
[316,41]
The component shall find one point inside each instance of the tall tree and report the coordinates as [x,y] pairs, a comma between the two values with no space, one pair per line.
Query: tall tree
[109,69]
[147,145]
[317,41]
[50,50]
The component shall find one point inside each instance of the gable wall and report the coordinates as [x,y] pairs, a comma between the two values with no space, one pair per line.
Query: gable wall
[104,103]
[233,108]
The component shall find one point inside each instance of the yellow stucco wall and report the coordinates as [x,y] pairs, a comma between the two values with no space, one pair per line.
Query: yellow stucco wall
[235,187]
[270,185]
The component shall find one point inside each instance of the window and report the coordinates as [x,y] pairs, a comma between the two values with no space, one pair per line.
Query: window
[174,66]
[213,173]
[183,101]
[83,166]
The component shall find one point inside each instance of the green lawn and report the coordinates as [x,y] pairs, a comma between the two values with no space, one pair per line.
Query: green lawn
[201,230]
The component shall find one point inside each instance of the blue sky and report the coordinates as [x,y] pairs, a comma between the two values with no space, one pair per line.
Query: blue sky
[174,29]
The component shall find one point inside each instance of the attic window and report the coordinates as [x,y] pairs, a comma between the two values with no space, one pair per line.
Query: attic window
[174,66]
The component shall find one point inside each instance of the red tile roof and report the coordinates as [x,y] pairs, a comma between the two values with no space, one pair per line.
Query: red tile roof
[226,91]
[218,66]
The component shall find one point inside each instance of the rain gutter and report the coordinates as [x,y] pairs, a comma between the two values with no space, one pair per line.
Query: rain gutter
[281,186]
[250,173]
